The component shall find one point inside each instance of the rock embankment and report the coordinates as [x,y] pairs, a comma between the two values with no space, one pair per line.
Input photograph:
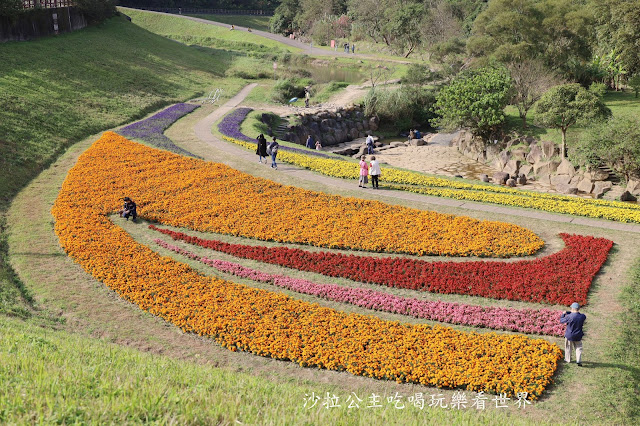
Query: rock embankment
[330,127]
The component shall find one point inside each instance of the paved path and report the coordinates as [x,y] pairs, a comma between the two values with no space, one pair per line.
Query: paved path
[203,132]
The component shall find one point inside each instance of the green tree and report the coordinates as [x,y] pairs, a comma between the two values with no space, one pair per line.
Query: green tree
[616,143]
[634,82]
[566,105]
[530,80]
[10,7]
[618,29]
[475,99]
[403,27]
[283,17]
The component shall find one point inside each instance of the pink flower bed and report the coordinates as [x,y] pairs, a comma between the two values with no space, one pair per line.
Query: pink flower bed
[535,321]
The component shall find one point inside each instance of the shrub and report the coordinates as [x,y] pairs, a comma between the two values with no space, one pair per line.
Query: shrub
[401,108]
[286,89]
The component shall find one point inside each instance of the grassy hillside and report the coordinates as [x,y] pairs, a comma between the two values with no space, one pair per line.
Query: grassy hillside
[255,22]
[202,34]
[58,90]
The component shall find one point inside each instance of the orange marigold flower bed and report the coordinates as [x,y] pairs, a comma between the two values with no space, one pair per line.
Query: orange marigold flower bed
[259,321]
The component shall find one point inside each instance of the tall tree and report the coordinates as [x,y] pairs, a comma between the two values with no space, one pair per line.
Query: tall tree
[566,105]
[619,29]
[475,99]
[530,80]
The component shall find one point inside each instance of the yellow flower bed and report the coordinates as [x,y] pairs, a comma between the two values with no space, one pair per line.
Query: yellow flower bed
[612,210]
[259,321]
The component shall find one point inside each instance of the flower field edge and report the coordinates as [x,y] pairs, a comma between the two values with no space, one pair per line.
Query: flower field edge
[531,321]
[266,323]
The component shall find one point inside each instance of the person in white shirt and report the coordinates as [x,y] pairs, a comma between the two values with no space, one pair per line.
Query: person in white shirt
[374,172]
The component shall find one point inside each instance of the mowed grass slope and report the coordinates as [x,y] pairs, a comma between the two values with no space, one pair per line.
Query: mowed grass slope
[203,34]
[255,22]
[58,90]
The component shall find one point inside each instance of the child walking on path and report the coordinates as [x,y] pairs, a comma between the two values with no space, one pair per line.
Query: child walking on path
[364,172]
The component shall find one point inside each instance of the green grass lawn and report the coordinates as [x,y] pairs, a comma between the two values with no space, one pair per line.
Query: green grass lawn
[58,90]
[254,22]
[192,32]
[618,102]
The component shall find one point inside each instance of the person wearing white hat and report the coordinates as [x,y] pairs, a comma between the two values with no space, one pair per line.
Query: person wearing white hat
[574,333]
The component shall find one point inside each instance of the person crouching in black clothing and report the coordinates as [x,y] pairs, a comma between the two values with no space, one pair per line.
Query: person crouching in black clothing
[129,209]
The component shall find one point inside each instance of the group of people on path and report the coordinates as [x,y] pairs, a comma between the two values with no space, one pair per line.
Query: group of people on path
[346,47]
[371,169]
[265,149]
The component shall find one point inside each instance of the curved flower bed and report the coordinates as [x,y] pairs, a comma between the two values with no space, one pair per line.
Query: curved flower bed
[216,198]
[449,188]
[151,130]
[538,321]
[563,277]
[258,321]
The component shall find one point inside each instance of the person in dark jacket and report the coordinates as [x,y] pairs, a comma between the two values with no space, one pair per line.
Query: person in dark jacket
[574,333]
[261,150]
[129,209]
[273,151]
[310,143]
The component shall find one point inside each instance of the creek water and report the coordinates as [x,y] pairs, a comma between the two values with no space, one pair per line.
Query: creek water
[326,74]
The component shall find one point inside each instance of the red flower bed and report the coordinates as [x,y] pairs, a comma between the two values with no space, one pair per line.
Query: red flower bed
[563,277]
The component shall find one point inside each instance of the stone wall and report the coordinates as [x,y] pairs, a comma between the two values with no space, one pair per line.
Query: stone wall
[331,127]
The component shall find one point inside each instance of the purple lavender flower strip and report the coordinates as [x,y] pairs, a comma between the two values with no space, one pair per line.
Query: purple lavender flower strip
[230,126]
[533,321]
[151,130]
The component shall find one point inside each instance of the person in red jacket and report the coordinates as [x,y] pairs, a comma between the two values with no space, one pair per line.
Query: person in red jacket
[574,333]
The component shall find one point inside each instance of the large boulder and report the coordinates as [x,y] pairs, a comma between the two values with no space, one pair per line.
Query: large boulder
[585,185]
[544,168]
[627,196]
[519,154]
[549,149]
[522,179]
[374,122]
[560,180]
[418,142]
[500,178]
[526,169]
[633,186]
[511,183]
[601,187]
[566,168]
[484,178]
[512,167]
[565,188]
[596,174]
[535,154]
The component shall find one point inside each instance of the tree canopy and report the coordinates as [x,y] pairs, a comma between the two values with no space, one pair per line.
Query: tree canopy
[563,106]
[475,99]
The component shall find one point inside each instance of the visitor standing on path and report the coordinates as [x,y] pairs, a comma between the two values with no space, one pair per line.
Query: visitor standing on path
[261,151]
[310,144]
[273,149]
[369,142]
[364,172]
[574,333]
[374,172]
